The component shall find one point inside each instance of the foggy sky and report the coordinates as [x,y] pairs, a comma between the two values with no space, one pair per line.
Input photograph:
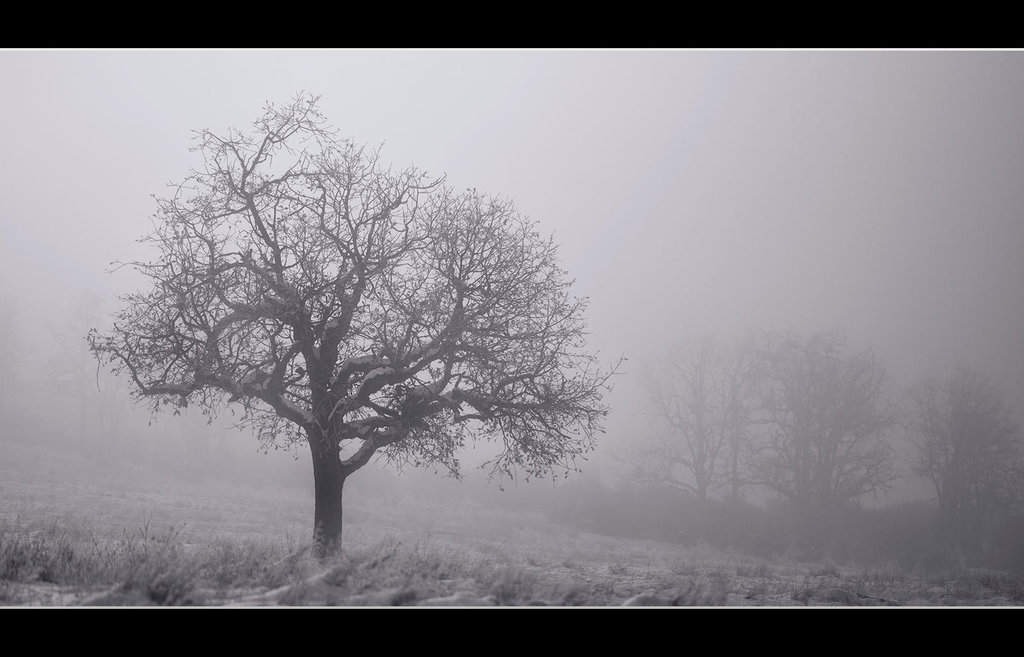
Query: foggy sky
[881,193]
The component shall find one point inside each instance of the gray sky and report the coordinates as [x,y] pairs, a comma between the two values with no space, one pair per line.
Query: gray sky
[877,192]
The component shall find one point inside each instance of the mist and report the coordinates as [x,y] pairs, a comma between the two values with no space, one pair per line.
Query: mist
[876,194]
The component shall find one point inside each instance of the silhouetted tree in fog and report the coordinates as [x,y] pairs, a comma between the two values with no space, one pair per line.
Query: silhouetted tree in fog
[68,364]
[361,310]
[71,372]
[13,350]
[970,449]
[825,415]
[699,396]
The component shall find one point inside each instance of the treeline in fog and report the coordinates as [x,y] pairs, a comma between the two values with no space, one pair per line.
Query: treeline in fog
[790,444]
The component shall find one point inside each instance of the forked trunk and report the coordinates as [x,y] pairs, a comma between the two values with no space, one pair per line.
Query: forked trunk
[328,482]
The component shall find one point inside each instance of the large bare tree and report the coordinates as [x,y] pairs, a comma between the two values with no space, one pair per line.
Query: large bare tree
[825,415]
[360,310]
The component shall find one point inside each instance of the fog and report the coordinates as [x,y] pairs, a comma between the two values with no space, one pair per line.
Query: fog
[692,192]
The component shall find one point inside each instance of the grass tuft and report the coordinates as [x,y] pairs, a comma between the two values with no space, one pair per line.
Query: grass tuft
[759,570]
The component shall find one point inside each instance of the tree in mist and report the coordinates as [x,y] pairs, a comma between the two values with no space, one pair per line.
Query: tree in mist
[69,371]
[825,412]
[700,397]
[363,311]
[970,449]
[13,350]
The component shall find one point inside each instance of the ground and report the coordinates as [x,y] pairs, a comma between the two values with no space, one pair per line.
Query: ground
[76,531]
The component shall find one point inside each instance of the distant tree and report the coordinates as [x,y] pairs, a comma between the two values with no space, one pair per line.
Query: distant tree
[970,449]
[825,412]
[70,371]
[700,399]
[13,350]
[359,310]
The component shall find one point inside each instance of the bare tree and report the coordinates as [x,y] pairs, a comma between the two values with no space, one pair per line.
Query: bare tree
[67,366]
[70,371]
[13,350]
[700,398]
[359,310]
[825,414]
[970,449]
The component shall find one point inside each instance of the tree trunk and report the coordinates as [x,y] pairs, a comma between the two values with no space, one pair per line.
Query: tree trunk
[328,482]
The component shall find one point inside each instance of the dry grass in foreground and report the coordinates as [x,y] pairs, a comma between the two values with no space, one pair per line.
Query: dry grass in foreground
[76,533]
[57,565]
